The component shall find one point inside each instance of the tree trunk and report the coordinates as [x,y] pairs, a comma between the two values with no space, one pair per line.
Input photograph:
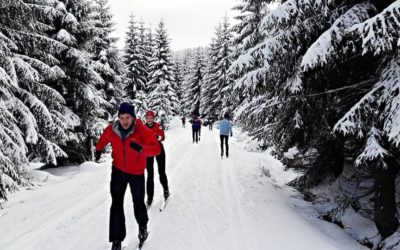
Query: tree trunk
[385,211]
[338,159]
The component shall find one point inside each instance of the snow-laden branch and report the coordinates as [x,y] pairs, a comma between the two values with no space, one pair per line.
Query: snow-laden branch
[382,32]
[324,48]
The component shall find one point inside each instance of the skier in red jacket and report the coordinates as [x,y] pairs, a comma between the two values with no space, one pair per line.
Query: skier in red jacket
[158,131]
[132,142]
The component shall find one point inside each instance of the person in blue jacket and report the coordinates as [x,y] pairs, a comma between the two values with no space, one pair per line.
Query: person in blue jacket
[225,129]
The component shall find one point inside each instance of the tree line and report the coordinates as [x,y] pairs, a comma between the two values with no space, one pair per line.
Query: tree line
[62,78]
[315,80]
[318,82]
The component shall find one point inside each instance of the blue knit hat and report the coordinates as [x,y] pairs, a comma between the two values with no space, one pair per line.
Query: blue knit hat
[126,108]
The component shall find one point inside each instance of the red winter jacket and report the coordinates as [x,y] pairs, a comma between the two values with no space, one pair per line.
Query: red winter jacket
[124,157]
[158,130]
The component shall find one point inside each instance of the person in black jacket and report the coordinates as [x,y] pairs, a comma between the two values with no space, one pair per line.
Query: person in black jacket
[196,128]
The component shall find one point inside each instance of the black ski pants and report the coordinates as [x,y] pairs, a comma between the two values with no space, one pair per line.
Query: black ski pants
[161,172]
[119,182]
[224,138]
[196,135]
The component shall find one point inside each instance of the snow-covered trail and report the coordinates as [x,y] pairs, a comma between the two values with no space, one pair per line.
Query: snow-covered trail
[215,204]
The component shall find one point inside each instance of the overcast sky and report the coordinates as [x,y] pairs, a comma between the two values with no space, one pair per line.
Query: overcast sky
[190,23]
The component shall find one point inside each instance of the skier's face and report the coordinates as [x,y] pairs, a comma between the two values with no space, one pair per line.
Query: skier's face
[126,120]
[149,119]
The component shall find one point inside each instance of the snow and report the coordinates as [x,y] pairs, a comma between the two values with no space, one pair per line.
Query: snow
[103,53]
[250,79]
[291,153]
[61,7]
[381,32]
[11,72]
[350,123]
[70,19]
[392,242]
[35,165]
[65,37]
[324,48]
[289,11]
[373,149]
[27,120]
[328,202]
[295,84]
[244,60]
[390,79]
[282,13]
[215,204]
[384,94]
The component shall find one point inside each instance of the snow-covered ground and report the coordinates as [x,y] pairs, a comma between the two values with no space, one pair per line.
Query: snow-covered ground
[215,204]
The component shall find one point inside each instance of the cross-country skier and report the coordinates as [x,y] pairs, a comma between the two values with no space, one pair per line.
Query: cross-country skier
[225,129]
[158,131]
[132,142]
[196,127]
[210,123]
[183,121]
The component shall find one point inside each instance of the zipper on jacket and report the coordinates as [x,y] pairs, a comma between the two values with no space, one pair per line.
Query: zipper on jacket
[124,151]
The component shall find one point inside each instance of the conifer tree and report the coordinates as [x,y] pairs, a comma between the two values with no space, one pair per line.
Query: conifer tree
[162,96]
[136,62]
[195,83]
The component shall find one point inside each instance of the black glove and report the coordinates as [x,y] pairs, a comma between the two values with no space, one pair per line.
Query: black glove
[231,134]
[137,147]
[98,155]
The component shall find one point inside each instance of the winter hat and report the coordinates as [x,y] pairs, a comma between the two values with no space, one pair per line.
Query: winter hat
[126,108]
[150,113]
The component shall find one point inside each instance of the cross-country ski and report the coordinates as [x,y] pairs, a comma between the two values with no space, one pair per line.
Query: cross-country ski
[164,203]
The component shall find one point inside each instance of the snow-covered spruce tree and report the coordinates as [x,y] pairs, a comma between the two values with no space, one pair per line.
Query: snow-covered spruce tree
[246,32]
[307,87]
[372,120]
[13,149]
[83,87]
[247,35]
[269,72]
[324,95]
[223,81]
[146,40]
[146,35]
[216,74]
[275,107]
[136,65]
[105,55]
[34,120]
[178,76]
[162,96]
[247,65]
[55,121]
[104,26]
[176,102]
[187,62]
[205,88]
[195,81]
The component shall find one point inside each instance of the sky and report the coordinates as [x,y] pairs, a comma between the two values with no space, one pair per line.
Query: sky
[190,23]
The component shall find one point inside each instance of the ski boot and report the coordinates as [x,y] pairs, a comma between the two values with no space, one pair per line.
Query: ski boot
[166,193]
[143,233]
[116,245]
[149,202]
